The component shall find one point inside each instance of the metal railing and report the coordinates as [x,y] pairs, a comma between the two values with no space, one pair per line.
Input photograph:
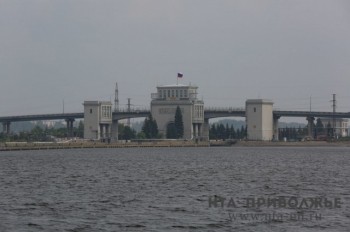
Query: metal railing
[224,109]
[132,110]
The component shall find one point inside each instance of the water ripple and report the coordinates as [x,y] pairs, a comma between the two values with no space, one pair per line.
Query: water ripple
[167,189]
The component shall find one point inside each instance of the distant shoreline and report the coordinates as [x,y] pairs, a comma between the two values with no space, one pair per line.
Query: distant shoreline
[292,144]
[21,146]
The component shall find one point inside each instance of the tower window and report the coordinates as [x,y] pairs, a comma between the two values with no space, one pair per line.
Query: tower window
[90,111]
[254,109]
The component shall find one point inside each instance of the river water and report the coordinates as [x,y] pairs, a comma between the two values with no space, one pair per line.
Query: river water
[175,189]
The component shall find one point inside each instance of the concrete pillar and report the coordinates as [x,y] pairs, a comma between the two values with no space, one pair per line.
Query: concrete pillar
[196,130]
[310,126]
[100,131]
[115,130]
[275,128]
[103,131]
[108,130]
[6,127]
[70,122]
[192,131]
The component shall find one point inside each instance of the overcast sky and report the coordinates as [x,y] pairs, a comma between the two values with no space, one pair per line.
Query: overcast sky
[286,51]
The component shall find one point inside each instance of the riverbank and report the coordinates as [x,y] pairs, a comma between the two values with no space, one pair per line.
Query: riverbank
[18,146]
[292,144]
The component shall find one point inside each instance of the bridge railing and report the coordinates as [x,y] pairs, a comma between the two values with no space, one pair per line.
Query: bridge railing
[224,109]
[132,110]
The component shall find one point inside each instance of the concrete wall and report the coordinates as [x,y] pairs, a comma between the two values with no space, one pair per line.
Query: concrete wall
[164,113]
[259,118]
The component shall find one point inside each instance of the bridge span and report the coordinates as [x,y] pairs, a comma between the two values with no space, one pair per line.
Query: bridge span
[209,113]
[213,112]
[318,114]
[68,117]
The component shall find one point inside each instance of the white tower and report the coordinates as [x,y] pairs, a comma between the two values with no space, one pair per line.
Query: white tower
[259,119]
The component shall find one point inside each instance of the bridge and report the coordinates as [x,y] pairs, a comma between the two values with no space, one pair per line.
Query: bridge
[209,112]
[215,112]
[318,114]
[69,118]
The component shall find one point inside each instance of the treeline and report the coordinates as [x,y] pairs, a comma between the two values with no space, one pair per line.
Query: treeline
[149,130]
[222,132]
[292,133]
[175,130]
[318,129]
[219,131]
[43,133]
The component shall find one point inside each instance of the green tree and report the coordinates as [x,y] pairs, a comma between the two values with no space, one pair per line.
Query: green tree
[141,135]
[171,132]
[329,129]
[154,129]
[150,127]
[232,132]
[221,131]
[37,133]
[227,132]
[179,124]
[80,132]
[213,132]
[244,132]
[128,133]
[319,127]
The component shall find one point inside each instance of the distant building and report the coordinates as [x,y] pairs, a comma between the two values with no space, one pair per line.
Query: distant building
[165,101]
[341,125]
[97,119]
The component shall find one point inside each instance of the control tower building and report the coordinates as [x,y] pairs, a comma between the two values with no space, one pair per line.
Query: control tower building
[165,101]
[97,119]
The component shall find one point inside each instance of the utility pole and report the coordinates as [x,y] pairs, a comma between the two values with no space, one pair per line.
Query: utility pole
[310,103]
[116,98]
[334,105]
[129,111]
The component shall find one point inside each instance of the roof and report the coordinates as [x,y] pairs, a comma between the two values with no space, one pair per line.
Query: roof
[176,85]
[259,101]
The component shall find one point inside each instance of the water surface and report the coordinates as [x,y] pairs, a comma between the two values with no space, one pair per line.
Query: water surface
[168,189]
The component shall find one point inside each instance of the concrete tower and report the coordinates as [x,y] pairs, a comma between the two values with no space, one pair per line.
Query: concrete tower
[165,102]
[259,118]
[97,119]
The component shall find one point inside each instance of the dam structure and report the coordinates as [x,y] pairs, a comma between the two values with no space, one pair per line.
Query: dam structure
[101,122]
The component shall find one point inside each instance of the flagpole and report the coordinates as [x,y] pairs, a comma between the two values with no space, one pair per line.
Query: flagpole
[179,75]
